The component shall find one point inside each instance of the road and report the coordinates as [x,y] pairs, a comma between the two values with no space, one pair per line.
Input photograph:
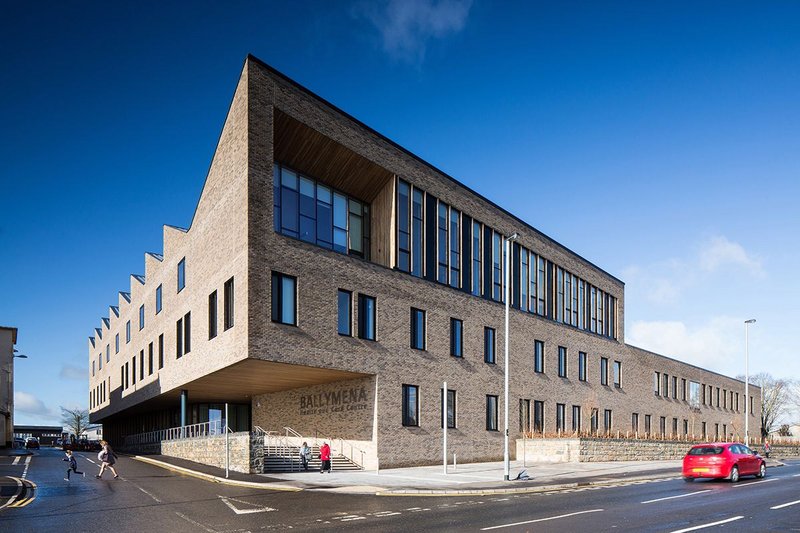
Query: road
[147,498]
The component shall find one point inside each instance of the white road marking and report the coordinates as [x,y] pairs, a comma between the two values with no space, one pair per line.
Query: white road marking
[542,519]
[198,524]
[757,482]
[258,509]
[16,460]
[781,506]
[695,528]
[354,518]
[14,497]
[381,514]
[27,465]
[679,496]
[148,493]
[796,475]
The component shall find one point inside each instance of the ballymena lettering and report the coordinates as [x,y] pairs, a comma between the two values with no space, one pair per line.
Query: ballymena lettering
[333,399]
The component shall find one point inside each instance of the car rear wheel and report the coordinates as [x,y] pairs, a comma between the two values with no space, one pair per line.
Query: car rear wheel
[762,470]
[734,477]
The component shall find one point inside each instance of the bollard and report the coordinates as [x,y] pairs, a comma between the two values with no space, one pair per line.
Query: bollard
[454,463]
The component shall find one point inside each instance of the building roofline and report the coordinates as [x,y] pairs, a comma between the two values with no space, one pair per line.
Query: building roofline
[688,364]
[294,83]
[13,333]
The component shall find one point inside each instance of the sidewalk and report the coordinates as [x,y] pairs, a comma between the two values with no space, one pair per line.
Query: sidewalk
[474,478]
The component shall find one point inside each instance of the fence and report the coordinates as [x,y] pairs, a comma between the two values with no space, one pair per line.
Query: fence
[203,429]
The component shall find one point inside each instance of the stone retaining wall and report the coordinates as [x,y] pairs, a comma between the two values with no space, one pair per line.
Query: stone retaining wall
[784,451]
[211,450]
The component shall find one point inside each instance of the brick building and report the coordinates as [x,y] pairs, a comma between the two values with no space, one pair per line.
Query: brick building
[331,281]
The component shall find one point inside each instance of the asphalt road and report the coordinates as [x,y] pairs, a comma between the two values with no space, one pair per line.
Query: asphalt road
[147,498]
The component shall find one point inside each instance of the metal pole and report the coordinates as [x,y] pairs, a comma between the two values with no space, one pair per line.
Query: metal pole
[746,383]
[507,266]
[444,426]
[227,445]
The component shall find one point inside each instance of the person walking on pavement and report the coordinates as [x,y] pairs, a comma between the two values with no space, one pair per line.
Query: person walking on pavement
[767,449]
[107,459]
[73,465]
[325,458]
[305,455]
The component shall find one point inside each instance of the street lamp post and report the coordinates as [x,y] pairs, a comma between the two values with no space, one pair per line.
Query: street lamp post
[507,266]
[747,383]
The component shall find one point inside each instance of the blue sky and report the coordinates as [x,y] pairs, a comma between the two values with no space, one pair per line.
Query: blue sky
[659,140]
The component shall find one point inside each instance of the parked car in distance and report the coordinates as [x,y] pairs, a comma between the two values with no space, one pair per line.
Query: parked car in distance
[722,460]
[18,443]
[31,443]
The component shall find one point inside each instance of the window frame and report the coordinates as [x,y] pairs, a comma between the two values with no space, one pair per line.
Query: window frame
[278,295]
[456,337]
[538,356]
[349,295]
[562,361]
[417,335]
[212,315]
[367,313]
[489,345]
[492,408]
[228,304]
[407,419]
[181,274]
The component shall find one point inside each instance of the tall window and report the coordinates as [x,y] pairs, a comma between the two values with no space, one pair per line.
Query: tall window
[593,419]
[141,317]
[538,356]
[158,299]
[127,332]
[310,211]
[477,268]
[181,274]
[403,226]
[449,409]
[141,364]
[635,422]
[541,287]
[560,416]
[456,337]
[538,416]
[647,425]
[417,329]
[133,370]
[582,366]
[497,267]
[665,387]
[576,418]
[417,227]
[366,317]
[284,299]
[683,389]
[410,405]
[228,304]
[108,353]
[617,374]
[150,367]
[187,333]
[344,321]
[523,279]
[674,387]
[488,345]
[442,243]
[562,362]
[657,383]
[604,370]
[161,351]
[179,338]
[607,420]
[491,412]
[662,425]
[455,248]
[116,344]
[212,315]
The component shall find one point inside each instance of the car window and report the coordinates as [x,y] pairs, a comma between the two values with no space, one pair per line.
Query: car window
[706,450]
[745,450]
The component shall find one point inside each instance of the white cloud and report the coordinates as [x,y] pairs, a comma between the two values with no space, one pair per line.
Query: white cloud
[73,372]
[406,26]
[718,252]
[29,404]
[715,345]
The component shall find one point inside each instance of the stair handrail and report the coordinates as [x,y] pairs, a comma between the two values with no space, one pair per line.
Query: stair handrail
[352,447]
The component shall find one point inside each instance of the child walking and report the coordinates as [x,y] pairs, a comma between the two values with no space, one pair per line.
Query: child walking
[73,465]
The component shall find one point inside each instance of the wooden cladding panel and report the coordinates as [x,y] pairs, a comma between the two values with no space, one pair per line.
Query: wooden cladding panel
[383,226]
[310,152]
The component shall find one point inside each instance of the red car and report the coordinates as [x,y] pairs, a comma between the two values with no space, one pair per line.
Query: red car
[725,460]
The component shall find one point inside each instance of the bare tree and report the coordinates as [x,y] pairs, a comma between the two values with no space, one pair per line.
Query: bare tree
[777,400]
[76,420]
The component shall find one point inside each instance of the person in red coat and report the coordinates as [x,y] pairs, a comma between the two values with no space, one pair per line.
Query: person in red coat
[325,458]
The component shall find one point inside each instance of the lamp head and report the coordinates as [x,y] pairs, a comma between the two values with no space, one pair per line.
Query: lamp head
[514,237]
[751,321]
[21,356]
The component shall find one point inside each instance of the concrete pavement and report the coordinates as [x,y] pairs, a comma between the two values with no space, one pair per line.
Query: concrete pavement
[467,479]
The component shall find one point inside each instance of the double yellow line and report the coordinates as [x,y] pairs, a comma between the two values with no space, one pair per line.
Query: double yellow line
[23,485]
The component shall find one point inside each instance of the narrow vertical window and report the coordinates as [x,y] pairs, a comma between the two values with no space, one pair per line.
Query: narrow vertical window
[576,418]
[141,317]
[604,371]
[116,344]
[284,301]
[538,416]
[541,287]
[308,211]
[417,232]
[181,274]
[525,415]
[108,353]
[187,333]
[179,338]
[497,267]
[133,370]
[674,387]
[141,365]
[657,383]
[449,408]
[456,337]
[158,299]
[410,405]
[476,258]
[127,332]
[455,248]
[560,415]
[161,351]
[366,317]
[403,226]
[648,425]
[562,362]
[593,420]
[324,217]
[607,420]
[618,374]
[491,412]
[127,375]
[538,357]
[523,280]
[417,329]
[442,243]
[150,367]
[488,345]
[582,366]
[635,422]
[344,320]
[212,315]
[228,307]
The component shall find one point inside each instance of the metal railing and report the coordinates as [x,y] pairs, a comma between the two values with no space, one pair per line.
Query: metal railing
[203,429]
[286,445]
